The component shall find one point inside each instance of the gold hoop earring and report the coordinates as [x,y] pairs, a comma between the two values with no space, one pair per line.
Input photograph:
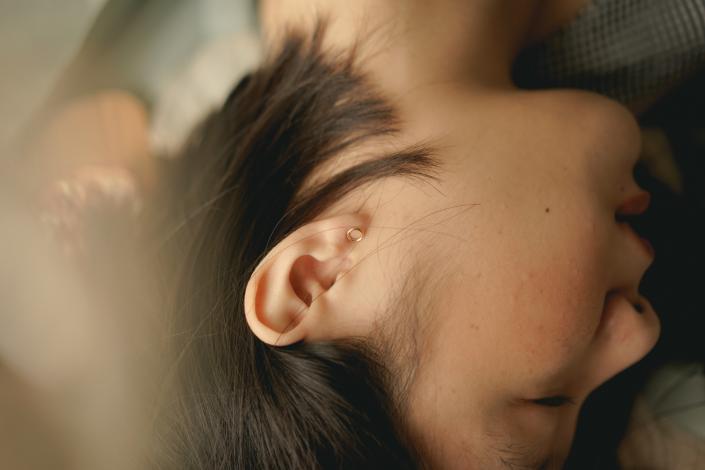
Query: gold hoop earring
[354,234]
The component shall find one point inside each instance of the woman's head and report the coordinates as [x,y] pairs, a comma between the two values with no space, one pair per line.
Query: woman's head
[491,279]
[244,402]
[534,280]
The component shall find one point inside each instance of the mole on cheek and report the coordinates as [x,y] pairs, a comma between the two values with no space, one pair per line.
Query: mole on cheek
[548,209]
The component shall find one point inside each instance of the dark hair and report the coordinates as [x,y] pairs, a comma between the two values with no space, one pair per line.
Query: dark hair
[244,404]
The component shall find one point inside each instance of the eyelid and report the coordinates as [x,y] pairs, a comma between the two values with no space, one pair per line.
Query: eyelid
[554,401]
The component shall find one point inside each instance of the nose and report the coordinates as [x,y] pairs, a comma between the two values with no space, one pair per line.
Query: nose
[626,334]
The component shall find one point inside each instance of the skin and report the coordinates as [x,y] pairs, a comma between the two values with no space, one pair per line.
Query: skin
[529,281]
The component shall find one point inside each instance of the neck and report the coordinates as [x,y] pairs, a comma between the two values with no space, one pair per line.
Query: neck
[416,43]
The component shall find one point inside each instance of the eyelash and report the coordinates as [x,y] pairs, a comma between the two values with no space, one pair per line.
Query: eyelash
[555,401]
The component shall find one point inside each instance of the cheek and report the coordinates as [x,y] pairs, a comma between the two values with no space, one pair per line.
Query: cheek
[554,306]
[527,331]
[527,294]
[558,327]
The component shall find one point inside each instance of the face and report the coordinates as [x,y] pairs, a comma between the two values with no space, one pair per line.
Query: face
[534,281]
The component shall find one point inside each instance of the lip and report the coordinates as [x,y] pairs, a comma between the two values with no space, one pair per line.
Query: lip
[646,245]
[636,204]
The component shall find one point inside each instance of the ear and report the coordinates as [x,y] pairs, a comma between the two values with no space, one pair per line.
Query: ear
[287,296]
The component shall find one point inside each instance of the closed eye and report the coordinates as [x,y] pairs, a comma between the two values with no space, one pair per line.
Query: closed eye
[555,401]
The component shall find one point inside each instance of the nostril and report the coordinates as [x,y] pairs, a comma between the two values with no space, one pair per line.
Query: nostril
[635,205]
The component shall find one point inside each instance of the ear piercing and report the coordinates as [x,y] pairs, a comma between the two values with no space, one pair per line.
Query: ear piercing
[354,234]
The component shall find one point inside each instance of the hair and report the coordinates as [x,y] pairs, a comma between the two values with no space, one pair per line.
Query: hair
[241,184]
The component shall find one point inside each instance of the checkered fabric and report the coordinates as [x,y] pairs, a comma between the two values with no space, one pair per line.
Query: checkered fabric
[630,50]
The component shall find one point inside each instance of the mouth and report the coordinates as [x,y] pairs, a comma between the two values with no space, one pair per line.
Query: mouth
[636,204]
[630,218]
[631,293]
[628,226]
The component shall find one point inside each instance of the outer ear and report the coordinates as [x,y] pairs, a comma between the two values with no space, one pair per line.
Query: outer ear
[284,295]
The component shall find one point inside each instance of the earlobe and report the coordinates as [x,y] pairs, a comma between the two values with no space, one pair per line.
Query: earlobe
[284,297]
